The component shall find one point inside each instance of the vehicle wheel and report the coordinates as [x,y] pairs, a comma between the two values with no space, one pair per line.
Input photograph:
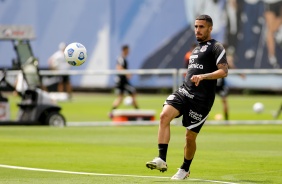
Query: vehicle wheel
[55,119]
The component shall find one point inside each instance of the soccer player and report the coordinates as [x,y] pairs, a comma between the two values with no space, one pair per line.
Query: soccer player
[57,62]
[122,81]
[277,114]
[194,99]
[222,89]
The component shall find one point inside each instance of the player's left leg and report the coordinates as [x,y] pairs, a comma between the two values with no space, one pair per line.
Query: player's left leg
[225,107]
[118,101]
[194,118]
[277,114]
[132,91]
[222,91]
[189,152]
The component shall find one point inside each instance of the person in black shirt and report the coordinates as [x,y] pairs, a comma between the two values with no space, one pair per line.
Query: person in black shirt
[122,81]
[195,98]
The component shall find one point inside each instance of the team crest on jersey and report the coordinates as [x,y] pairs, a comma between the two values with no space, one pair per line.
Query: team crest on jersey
[209,43]
[204,48]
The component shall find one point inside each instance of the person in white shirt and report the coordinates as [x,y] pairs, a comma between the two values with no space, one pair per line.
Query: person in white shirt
[57,62]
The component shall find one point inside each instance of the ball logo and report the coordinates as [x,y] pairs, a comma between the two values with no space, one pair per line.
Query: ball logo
[79,45]
[81,56]
[70,52]
[73,63]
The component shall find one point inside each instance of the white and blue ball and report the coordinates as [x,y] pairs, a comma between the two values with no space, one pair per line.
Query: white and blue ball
[258,107]
[75,54]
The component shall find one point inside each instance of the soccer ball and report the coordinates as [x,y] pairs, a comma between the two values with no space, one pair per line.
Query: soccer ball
[75,54]
[258,107]
[127,101]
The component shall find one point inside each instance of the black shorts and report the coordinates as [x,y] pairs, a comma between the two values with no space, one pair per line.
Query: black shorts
[222,91]
[194,113]
[65,78]
[125,87]
[221,88]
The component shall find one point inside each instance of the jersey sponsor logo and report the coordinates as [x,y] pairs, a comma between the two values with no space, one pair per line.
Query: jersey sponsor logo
[196,51]
[186,93]
[204,48]
[195,116]
[195,65]
[193,56]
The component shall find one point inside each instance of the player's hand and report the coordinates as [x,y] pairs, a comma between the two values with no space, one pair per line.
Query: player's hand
[196,79]
[128,76]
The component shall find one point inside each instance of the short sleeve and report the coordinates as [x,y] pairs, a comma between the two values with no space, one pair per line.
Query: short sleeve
[120,61]
[219,53]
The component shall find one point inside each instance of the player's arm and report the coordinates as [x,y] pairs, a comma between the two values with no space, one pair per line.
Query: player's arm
[119,67]
[220,73]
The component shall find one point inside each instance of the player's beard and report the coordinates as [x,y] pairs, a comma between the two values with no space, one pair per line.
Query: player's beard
[201,39]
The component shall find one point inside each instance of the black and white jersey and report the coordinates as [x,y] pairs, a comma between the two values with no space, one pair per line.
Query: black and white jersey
[204,59]
[123,63]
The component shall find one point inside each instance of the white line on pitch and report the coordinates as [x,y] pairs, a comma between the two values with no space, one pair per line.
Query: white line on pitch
[101,174]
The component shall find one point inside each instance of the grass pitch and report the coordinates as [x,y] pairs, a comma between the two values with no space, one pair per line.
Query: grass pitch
[239,154]
[96,106]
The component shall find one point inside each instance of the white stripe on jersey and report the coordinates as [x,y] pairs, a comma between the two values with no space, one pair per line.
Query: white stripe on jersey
[220,56]
[120,61]
[195,125]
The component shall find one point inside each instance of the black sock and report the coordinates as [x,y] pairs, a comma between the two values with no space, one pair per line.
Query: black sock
[226,115]
[162,151]
[186,164]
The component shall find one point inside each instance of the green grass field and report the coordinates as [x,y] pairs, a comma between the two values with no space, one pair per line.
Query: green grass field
[239,154]
[96,106]
[234,154]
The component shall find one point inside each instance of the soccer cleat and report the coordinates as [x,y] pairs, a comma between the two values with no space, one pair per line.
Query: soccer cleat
[111,115]
[181,175]
[157,163]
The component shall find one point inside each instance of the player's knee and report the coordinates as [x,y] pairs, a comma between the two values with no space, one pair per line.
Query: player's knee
[190,137]
[165,117]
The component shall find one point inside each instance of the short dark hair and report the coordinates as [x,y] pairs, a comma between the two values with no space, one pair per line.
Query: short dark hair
[124,47]
[206,18]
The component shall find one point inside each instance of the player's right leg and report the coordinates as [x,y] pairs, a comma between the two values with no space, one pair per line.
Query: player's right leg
[119,90]
[168,114]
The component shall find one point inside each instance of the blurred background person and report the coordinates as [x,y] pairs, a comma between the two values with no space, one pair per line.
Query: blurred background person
[273,20]
[188,54]
[57,62]
[122,81]
[277,114]
[222,89]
